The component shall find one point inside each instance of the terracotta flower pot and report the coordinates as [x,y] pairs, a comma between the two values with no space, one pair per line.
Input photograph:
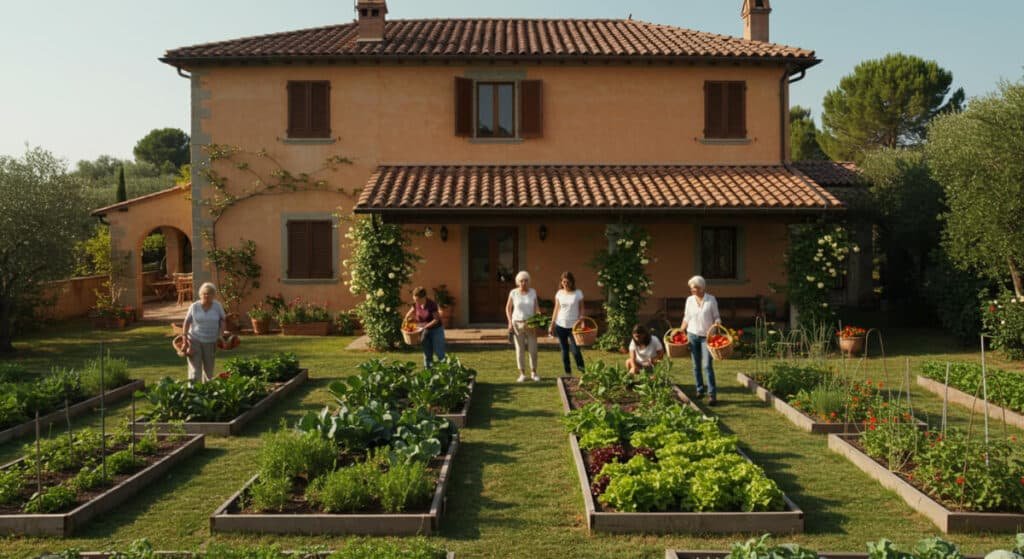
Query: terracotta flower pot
[306,329]
[446,312]
[851,346]
[260,326]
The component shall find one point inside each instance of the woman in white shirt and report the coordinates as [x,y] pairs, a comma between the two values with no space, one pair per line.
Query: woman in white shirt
[522,304]
[701,313]
[568,309]
[645,350]
[204,323]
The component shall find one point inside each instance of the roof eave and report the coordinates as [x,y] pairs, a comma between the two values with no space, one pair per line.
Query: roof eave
[593,212]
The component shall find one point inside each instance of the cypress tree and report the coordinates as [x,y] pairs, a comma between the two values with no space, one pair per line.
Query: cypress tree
[122,191]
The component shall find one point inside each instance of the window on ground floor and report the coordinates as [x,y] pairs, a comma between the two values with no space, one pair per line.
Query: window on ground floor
[310,249]
[718,252]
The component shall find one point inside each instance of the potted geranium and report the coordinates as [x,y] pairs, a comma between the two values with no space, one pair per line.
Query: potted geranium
[851,339]
[304,319]
[260,316]
[445,304]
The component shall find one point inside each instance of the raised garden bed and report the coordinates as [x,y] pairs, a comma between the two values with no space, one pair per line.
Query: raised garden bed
[194,555]
[230,516]
[85,406]
[799,418]
[972,403]
[235,426]
[461,418]
[945,519]
[790,520]
[65,524]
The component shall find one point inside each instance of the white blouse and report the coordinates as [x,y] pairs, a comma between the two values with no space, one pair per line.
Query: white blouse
[646,353]
[205,326]
[568,307]
[700,317]
[523,304]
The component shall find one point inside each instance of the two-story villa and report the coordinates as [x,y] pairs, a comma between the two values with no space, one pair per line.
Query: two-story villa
[513,143]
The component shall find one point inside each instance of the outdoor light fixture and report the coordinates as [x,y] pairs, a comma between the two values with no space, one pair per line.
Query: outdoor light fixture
[543,232]
[428,232]
[444,233]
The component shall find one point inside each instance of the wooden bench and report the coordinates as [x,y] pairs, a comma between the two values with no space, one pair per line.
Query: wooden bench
[735,311]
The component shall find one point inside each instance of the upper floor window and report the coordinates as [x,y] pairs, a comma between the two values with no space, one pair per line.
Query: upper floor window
[498,109]
[725,110]
[718,252]
[309,109]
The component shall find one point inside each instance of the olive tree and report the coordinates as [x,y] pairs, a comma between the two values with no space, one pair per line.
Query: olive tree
[41,216]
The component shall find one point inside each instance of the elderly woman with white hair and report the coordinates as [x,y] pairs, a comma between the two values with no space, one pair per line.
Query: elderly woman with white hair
[701,313]
[522,304]
[204,323]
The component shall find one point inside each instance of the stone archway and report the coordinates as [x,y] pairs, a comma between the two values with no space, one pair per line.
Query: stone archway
[151,278]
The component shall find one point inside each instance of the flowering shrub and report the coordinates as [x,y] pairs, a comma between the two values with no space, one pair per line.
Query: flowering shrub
[1003,319]
[379,265]
[298,312]
[851,332]
[623,280]
[815,258]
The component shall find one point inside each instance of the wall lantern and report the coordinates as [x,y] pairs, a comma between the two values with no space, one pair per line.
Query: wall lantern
[444,233]
[428,232]
[543,232]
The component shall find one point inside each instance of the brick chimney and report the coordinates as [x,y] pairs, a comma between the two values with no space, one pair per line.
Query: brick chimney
[755,19]
[370,16]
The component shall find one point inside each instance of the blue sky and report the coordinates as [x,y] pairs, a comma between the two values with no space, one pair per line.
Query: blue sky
[82,78]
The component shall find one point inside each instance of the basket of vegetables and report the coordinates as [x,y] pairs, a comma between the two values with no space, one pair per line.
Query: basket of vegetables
[540,323]
[228,341]
[178,343]
[584,331]
[677,344]
[412,334]
[720,343]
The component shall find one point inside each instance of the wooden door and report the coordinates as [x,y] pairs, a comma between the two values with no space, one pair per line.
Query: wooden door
[493,265]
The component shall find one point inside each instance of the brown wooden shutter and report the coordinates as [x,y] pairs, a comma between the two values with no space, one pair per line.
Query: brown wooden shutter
[714,119]
[298,109]
[320,109]
[531,109]
[463,107]
[298,249]
[321,249]
[737,110]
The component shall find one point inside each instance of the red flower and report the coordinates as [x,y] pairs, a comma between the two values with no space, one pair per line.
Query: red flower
[871,427]
[991,308]
[1013,438]
[959,480]
[1022,481]
[224,375]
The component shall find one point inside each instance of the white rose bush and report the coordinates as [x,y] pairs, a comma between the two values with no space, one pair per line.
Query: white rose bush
[815,259]
[623,279]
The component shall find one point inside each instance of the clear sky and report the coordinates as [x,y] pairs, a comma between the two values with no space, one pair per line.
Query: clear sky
[81,78]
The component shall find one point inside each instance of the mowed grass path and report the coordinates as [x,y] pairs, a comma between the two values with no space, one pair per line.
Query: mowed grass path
[514,490]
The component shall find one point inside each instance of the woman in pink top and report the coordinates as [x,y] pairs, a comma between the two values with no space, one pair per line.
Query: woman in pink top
[428,317]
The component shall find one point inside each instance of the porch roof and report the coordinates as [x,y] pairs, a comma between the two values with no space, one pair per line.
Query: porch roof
[523,190]
[123,206]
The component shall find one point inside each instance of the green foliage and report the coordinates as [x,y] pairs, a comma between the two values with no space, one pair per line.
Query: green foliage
[278,368]
[271,493]
[92,255]
[975,155]
[762,548]
[622,277]
[11,481]
[395,485]
[154,248]
[289,454]
[405,485]
[57,498]
[416,548]
[346,323]
[166,148]
[299,312]
[1003,319]
[90,478]
[122,189]
[346,490]
[815,257]
[41,217]
[237,271]
[115,374]
[948,290]
[444,387]
[1005,388]
[379,265]
[953,467]
[803,135]
[22,393]
[220,399]
[443,297]
[885,103]
[122,462]
[414,434]
[786,379]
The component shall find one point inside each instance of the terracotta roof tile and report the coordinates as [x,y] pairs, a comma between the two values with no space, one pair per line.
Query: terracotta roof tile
[182,188]
[832,173]
[493,38]
[604,188]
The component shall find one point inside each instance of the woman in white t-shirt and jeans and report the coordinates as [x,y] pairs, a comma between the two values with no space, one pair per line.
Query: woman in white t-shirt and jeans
[522,304]
[568,309]
[701,313]
[645,350]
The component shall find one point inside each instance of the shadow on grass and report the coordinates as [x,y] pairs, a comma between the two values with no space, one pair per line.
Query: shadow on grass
[290,408]
[465,500]
[820,513]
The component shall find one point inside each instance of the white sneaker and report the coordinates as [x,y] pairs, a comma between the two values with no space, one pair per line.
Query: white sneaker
[535,378]
[521,378]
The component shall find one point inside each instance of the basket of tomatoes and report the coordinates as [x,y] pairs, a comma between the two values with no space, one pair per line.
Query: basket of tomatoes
[228,341]
[720,343]
[412,334]
[584,331]
[677,344]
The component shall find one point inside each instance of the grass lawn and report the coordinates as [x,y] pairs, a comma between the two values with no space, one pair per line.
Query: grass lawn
[514,489]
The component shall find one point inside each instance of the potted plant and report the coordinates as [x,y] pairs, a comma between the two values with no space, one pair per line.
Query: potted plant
[304,319]
[260,315]
[445,304]
[851,339]
[346,323]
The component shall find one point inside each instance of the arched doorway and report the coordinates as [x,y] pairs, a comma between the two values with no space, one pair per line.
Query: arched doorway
[163,255]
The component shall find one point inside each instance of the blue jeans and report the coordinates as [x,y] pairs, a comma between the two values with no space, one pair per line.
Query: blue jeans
[567,342]
[702,360]
[433,344]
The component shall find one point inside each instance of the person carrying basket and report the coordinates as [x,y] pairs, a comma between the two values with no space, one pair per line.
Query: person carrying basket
[700,315]
[568,309]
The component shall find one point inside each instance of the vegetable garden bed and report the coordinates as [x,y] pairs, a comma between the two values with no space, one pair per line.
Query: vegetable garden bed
[232,517]
[235,426]
[799,418]
[89,503]
[946,519]
[111,396]
[1004,389]
[461,418]
[787,519]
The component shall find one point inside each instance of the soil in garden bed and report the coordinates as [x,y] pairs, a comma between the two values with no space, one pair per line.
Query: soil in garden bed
[50,479]
[297,503]
[907,475]
[579,398]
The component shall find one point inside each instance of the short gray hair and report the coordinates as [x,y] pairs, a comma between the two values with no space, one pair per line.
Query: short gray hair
[522,275]
[697,281]
[208,288]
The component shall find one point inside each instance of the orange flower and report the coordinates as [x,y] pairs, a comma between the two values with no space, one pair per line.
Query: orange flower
[960,480]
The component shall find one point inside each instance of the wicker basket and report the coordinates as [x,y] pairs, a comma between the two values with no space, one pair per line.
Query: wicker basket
[412,338]
[178,343]
[584,331]
[675,351]
[228,342]
[721,353]
[852,346]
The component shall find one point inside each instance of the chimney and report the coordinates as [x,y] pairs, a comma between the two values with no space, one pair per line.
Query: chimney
[370,19]
[755,20]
